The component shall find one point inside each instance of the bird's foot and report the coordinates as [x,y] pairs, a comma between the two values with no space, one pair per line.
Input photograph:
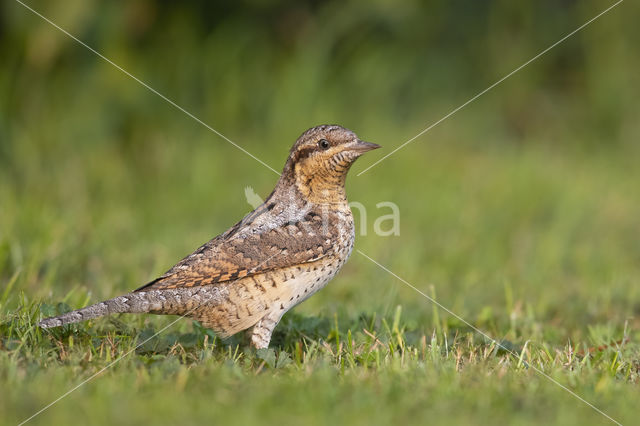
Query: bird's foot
[261,332]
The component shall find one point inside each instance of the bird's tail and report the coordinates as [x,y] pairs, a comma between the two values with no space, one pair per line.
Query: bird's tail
[129,303]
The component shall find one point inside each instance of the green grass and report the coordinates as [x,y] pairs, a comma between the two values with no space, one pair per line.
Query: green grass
[543,257]
[519,213]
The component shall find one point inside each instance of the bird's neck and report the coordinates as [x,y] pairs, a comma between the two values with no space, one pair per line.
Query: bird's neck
[316,188]
[319,189]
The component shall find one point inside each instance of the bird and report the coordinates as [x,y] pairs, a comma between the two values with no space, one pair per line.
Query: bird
[276,257]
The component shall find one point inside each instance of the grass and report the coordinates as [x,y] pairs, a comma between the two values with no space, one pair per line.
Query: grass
[519,213]
[535,259]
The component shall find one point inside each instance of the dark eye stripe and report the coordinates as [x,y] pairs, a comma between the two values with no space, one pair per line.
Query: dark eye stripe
[305,152]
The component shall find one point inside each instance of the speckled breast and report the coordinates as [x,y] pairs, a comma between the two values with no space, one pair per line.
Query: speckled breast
[308,278]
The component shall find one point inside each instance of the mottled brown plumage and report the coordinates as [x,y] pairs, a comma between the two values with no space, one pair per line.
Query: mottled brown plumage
[276,257]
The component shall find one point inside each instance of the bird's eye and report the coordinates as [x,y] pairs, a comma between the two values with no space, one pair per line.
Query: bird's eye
[323,143]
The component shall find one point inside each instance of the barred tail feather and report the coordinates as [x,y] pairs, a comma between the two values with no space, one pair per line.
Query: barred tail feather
[129,303]
[179,301]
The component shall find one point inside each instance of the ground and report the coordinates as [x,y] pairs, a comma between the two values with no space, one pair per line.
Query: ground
[538,252]
[518,213]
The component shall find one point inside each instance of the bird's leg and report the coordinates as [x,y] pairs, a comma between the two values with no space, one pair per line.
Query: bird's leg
[262,330]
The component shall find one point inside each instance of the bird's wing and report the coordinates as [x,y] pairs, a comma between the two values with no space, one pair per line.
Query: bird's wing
[246,250]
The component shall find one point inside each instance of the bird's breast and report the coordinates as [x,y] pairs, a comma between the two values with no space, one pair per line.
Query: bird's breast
[308,278]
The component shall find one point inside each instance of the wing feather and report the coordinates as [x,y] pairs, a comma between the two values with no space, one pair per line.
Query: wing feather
[247,249]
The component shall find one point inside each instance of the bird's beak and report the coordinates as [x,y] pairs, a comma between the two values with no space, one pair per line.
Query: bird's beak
[361,146]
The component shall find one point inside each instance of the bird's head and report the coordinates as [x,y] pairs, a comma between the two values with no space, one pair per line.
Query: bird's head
[320,159]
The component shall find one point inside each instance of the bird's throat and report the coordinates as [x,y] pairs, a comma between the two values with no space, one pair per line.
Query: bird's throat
[322,189]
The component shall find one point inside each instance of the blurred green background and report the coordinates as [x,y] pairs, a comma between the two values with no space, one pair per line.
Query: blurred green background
[520,212]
